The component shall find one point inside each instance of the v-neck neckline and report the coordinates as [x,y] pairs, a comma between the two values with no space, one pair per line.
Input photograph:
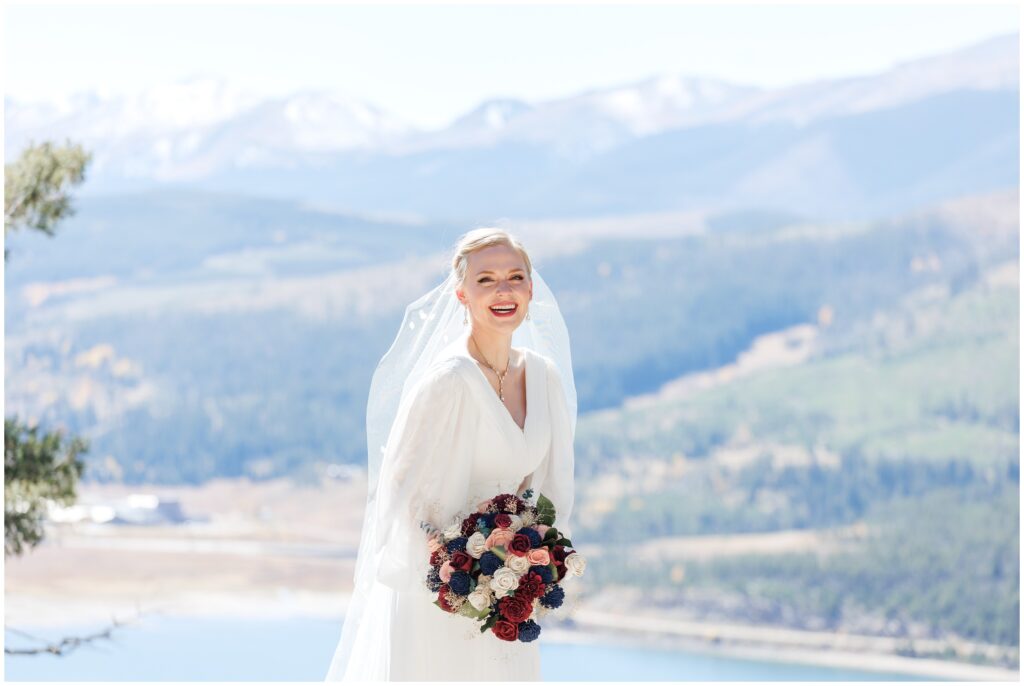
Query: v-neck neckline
[501,405]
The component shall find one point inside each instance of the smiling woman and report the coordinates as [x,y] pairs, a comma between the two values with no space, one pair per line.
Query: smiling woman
[496,290]
[456,416]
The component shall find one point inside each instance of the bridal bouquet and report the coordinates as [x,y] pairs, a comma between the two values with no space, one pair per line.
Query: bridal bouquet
[502,565]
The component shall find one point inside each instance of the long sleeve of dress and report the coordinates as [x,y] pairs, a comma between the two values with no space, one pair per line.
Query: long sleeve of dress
[554,477]
[424,464]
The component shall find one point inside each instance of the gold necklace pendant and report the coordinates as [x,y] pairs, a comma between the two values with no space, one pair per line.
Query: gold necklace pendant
[501,377]
[501,381]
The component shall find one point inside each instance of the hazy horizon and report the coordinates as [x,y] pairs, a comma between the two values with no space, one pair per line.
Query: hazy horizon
[429,64]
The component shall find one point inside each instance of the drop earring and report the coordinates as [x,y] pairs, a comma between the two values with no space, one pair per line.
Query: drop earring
[464,319]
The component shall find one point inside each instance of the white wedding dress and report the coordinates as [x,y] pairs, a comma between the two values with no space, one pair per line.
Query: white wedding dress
[454,444]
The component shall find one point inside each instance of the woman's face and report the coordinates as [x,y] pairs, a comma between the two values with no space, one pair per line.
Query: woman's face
[495,276]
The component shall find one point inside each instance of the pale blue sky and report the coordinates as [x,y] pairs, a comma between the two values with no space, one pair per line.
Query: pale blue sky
[429,64]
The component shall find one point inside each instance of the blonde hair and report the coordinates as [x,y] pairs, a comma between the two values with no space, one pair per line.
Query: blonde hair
[480,238]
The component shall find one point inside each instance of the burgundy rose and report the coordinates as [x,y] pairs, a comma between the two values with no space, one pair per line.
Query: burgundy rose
[559,553]
[502,501]
[531,585]
[469,525]
[503,520]
[461,561]
[506,631]
[559,570]
[519,545]
[506,502]
[437,557]
[515,609]
[441,593]
[520,506]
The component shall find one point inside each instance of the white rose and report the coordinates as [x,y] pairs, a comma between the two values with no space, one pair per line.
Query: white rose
[453,530]
[517,564]
[504,582]
[476,545]
[575,564]
[480,598]
[517,522]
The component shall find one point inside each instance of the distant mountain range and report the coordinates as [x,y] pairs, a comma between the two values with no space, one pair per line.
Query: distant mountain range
[870,145]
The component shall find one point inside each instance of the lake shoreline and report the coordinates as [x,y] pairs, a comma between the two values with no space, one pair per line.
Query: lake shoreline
[591,626]
[873,662]
[820,648]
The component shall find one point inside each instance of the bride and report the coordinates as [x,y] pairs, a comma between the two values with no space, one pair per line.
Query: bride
[457,415]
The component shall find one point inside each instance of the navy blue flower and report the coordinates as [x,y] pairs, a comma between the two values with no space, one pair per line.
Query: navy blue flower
[553,598]
[459,583]
[489,563]
[528,631]
[532,534]
[489,519]
[546,575]
[456,544]
[434,582]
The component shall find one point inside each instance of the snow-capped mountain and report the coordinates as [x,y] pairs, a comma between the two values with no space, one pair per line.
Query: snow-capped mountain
[665,142]
[178,106]
[188,128]
[170,124]
[583,124]
[989,66]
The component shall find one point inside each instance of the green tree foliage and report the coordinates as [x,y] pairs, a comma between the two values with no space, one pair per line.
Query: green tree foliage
[35,186]
[37,470]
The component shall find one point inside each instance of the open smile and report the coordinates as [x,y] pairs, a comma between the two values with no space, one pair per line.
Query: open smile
[504,310]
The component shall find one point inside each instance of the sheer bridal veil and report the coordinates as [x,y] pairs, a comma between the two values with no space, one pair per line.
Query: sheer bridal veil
[431,328]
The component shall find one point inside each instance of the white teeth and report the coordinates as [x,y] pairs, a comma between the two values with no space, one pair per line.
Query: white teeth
[503,308]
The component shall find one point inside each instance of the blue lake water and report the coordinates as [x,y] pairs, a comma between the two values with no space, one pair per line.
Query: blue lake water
[165,648]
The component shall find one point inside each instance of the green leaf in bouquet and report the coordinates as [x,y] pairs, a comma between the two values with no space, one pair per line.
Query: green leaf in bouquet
[545,510]
[491,621]
[468,610]
[550,535]
[565,542]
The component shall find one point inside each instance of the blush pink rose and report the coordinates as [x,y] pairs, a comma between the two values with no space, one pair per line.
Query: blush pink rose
[538,556]
[433,544]
[542,529]
[446,571]
[499,537]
